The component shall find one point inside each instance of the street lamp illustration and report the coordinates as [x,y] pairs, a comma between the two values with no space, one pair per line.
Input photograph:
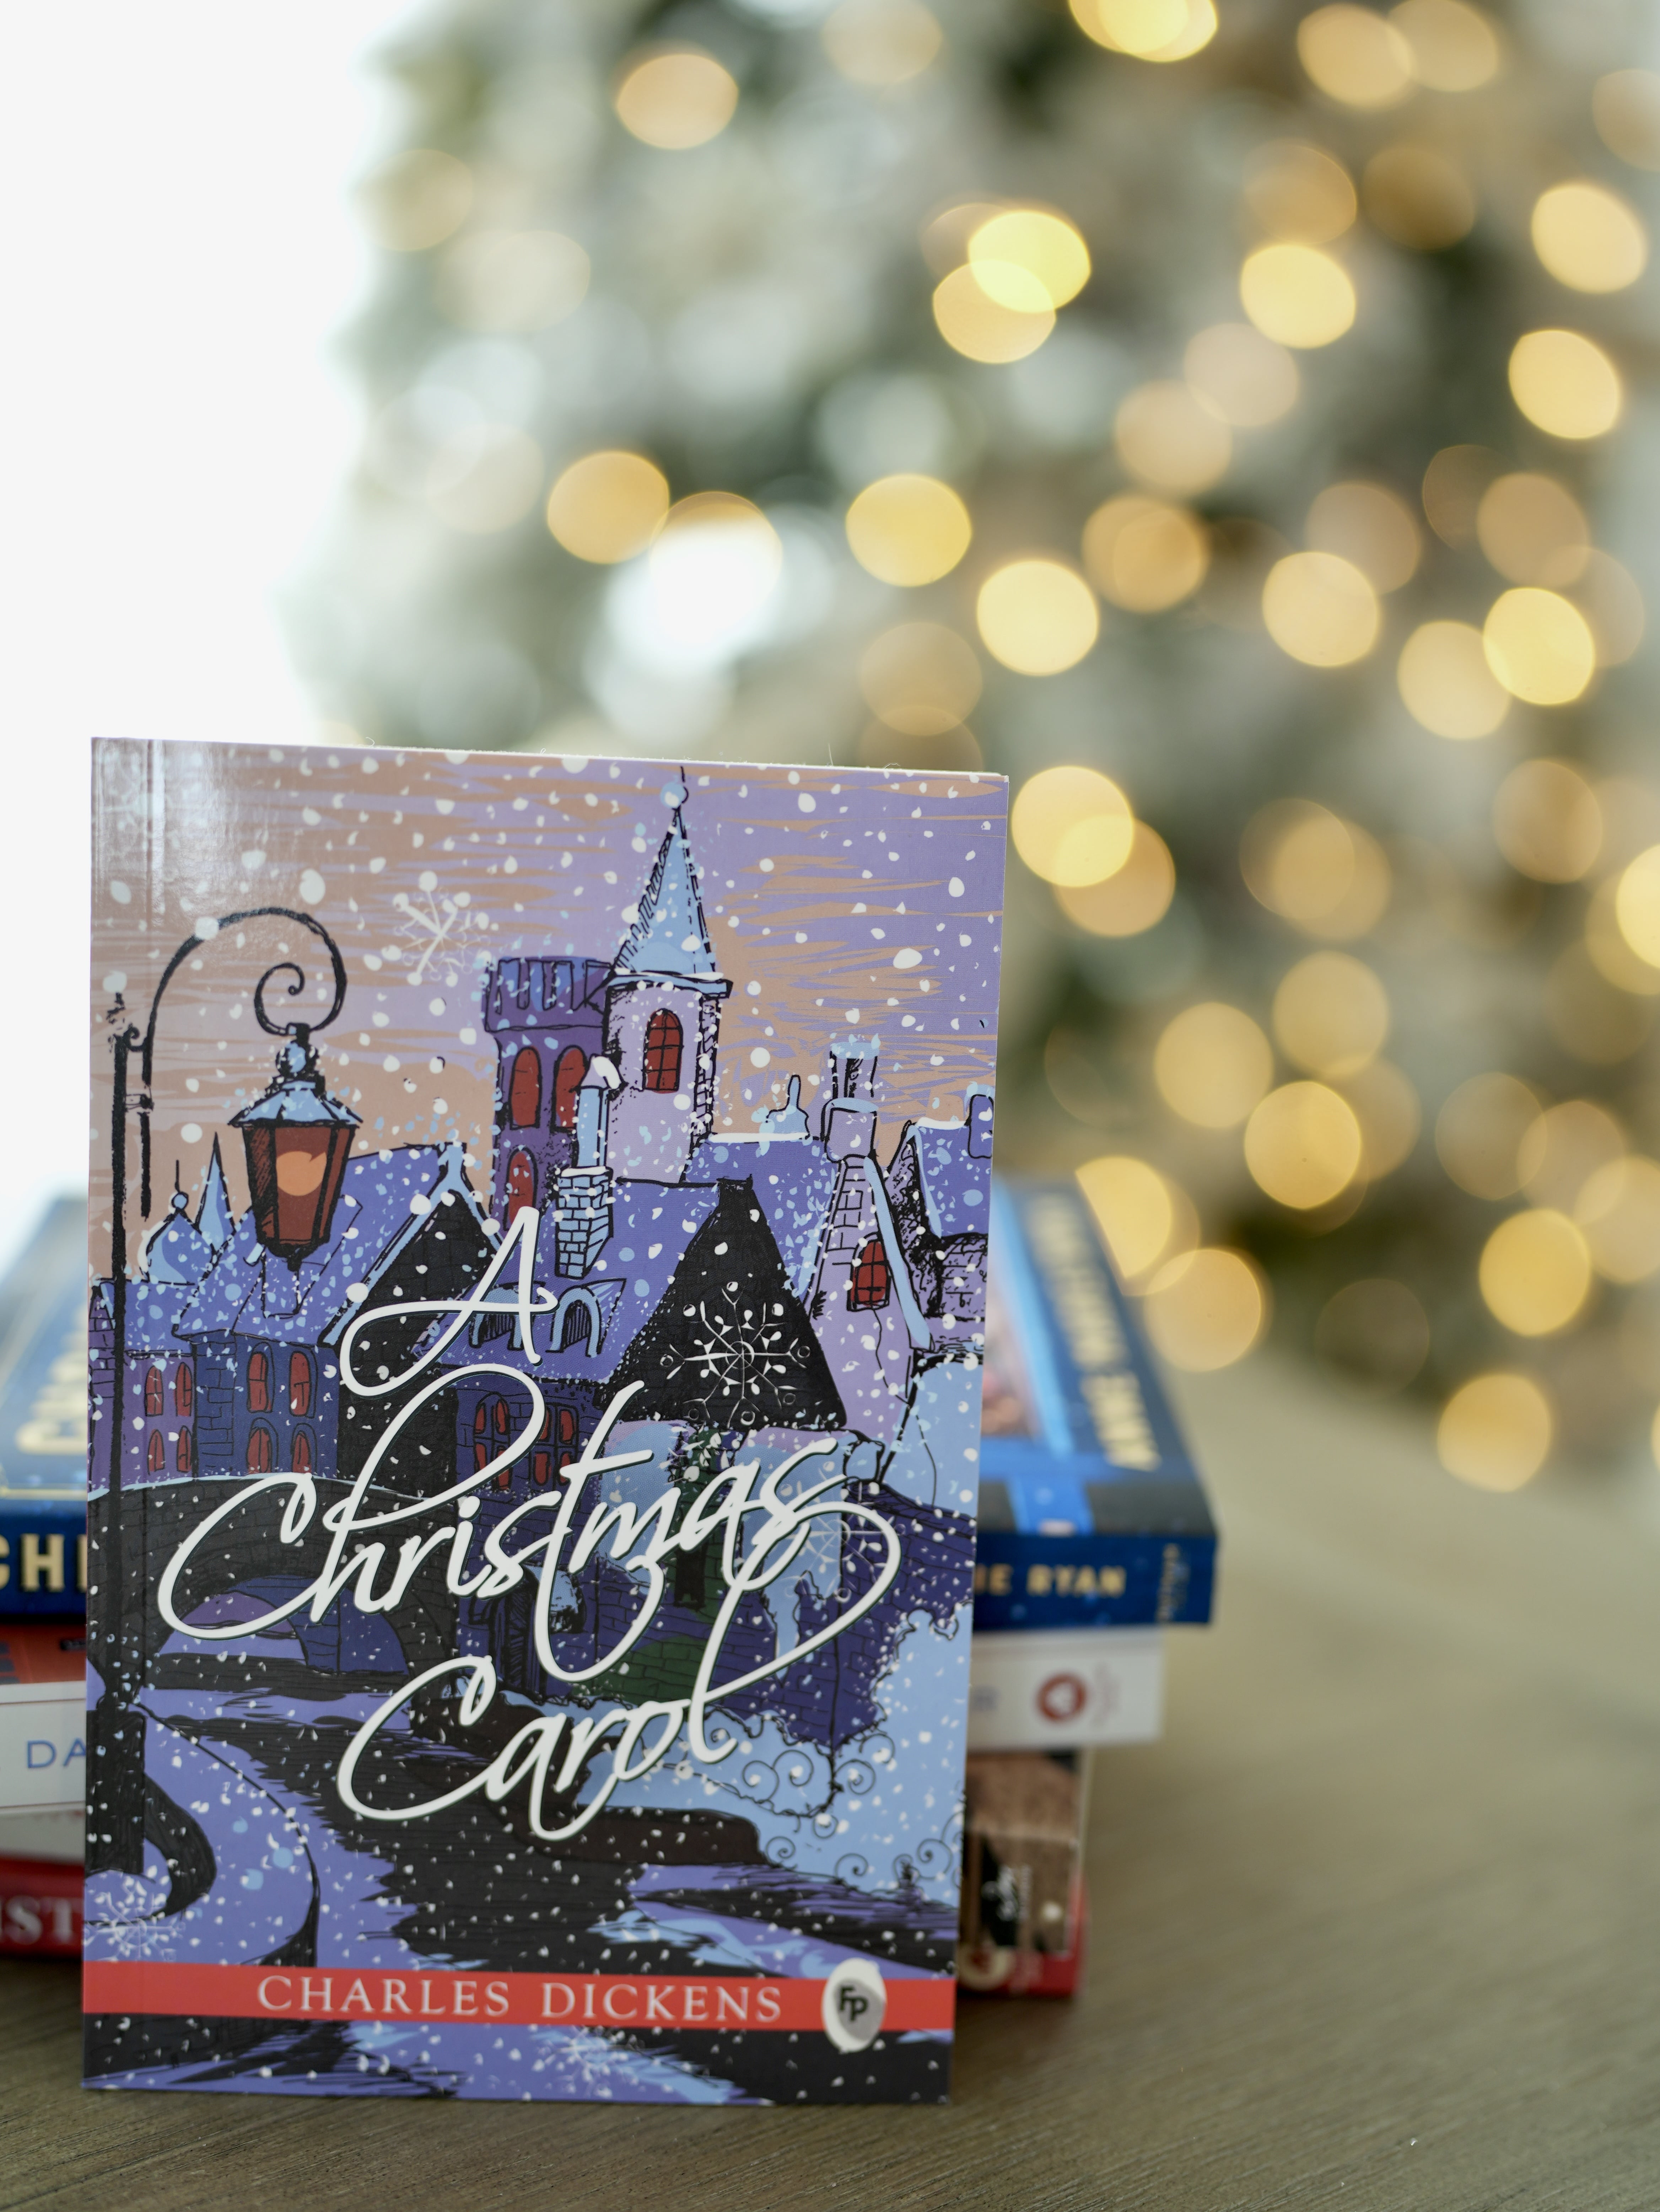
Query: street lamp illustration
[296,1139]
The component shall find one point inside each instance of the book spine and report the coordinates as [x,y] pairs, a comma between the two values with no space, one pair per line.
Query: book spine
[40,1909]
[1023,1582]
[43,1750]
[43,1557]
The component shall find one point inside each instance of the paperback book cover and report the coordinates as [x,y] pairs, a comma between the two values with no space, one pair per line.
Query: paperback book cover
[539,1224]
[43,1421]
[1092,1513]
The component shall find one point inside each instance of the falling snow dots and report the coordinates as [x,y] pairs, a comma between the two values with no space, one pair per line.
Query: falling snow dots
[191,1133]
[807,803]
[760,1057]
[121,893]
[115,982]
[312,889]
[907,957]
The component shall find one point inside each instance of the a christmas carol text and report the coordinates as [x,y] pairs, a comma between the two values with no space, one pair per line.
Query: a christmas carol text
[639,1538]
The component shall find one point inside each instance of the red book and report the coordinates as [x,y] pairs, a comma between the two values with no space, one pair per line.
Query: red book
[42,1652]
[39,1910]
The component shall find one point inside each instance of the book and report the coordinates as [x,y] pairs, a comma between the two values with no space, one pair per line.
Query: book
[534,1428]
[59,1834]
[1065,1689]
[40,1909]
[1091,1514]
[43,1420]
[1025,1907]
[43,1751]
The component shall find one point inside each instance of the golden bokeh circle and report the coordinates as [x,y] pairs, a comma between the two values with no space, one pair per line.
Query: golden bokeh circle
[1535,1271]
[1496,1432]
[1303,1145]
[1037,617]
[608,505]
[908,529]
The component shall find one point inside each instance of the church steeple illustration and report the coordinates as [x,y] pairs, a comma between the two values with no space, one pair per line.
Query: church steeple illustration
[663,1021]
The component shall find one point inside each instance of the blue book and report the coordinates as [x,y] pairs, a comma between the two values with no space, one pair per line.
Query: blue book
[43,1420]
[1091,1514]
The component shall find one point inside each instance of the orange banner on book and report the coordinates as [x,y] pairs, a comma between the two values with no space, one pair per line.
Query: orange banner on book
[637,2000]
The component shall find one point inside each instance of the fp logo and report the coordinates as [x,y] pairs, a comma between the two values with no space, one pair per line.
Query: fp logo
[855,1999]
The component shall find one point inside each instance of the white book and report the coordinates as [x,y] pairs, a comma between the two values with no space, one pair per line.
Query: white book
[1065,1690]
[43,1750]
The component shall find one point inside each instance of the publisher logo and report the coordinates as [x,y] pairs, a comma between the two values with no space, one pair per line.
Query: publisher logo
[1063,1697]
[855,2000]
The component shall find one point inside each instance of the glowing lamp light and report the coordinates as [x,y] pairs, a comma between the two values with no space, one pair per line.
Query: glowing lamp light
[296,1139]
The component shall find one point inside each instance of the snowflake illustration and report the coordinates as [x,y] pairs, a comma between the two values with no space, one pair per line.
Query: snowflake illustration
[437,927]
[736,1346]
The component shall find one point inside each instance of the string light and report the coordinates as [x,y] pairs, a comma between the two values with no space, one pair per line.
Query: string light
[1355,57]
[1297,294]
[1145,553]
[1037,617]
[1539,646]
[908,529]
[1303,1145]
[1320,609]
[1535,1271]
[1212,1065]
[1446,683]
[1071,826]
[1566,385]
[675,100]
[1496,1431]
[1589,238]
[608,505]
[1207,1310]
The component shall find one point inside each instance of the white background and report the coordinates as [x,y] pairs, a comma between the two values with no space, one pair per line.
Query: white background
[180,250]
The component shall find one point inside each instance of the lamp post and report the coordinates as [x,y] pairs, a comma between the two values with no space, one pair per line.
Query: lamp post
[296,1140]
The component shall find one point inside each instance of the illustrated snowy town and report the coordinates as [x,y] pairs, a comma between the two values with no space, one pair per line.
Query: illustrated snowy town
[749,1293]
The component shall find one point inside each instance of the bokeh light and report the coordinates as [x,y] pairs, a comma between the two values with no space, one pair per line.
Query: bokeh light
[1561,1151]
[1371,528]
[675,100]
[1071,826]
[1037,617]
[1607,946]
[1303,1145]
[981,328]
[1375,1333]
[1129,27]
[1297,294]
[1533,529]
[485,478]
[1453,485]
[1565,384]
[881,42]
[1535,1271]
[1328,876]
[1447,684]
[512,281]
[608,505]
[1619,1211]
[1039,244]
[1455,47]
[1637,906]
[1539,646]
[1133,898]
[1547,821]
[908,529]
[1145,553]
[1297,191]
[1331,1013]
[1589,238]
[1418,196]
[1496,1431]
[1387,1108]
[1479,1130]
[1355,57]
[1625,106]
[1144,1217]
[920,678]
[416,200]
[1207,1308]
[1320,609]
[1606,595]
[1168,438]
[704,591]
[1212,1066]
[1246,379]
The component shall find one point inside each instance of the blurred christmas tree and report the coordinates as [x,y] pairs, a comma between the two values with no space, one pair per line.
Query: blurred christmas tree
[1237,422]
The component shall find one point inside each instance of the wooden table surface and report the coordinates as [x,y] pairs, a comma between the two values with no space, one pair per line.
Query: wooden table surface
[1377,1925]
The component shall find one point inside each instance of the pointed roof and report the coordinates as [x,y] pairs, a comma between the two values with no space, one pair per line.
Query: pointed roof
[669,940]
[214,1217]
[175,1251]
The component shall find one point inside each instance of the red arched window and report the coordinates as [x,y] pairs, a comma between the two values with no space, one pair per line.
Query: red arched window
[491,1423]
[872,1278]
[153,1399]
[300,1457]
[521,1183]
[662,1051]
[565,1428]
[525,1089]
[300,1383]
[184,1458]
[567,1081]
[542,1468]
[156,1456]
[262,1450]
[184,1392]
[259,1381]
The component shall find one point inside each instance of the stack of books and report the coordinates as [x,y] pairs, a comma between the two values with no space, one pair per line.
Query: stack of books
[1094,1536]
[43,1581]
